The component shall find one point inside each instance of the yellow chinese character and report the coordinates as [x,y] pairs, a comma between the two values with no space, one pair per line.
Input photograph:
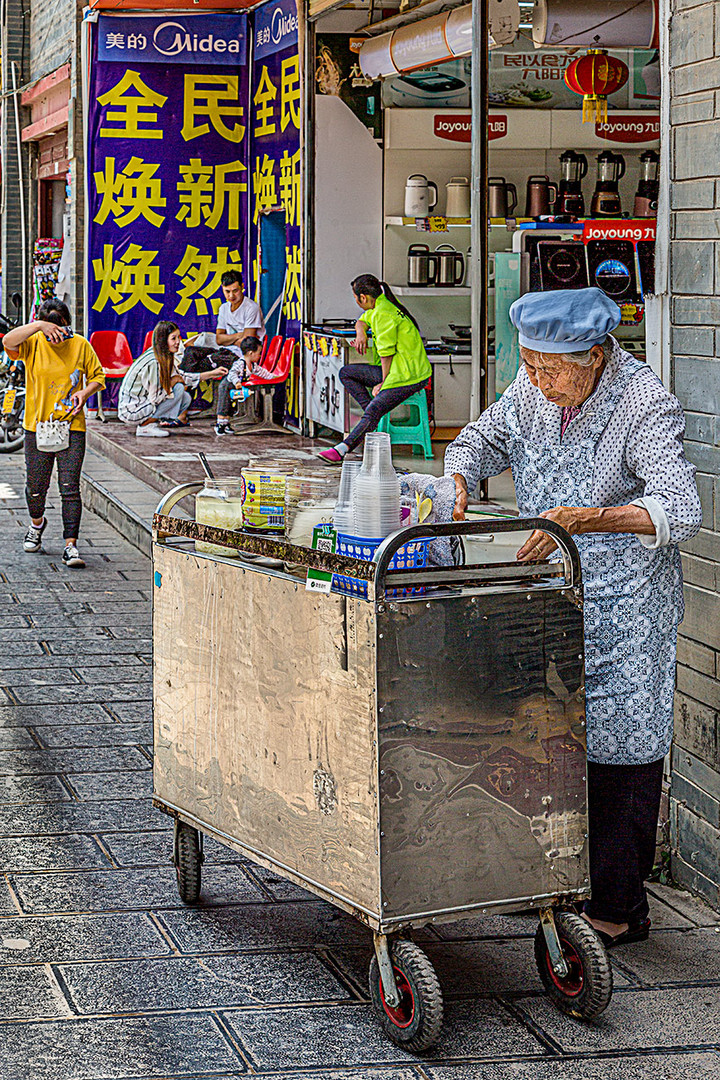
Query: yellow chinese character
[134,103]
[132,277]
[264,96]
[202,100]
[130,193]
[292,304]
[290,93]
[290,187]
[200,278]
[264,188]
[204,190]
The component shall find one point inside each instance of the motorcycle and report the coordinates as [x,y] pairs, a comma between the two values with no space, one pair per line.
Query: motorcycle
[12,388]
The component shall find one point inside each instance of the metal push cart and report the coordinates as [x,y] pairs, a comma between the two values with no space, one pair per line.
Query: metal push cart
[411,758]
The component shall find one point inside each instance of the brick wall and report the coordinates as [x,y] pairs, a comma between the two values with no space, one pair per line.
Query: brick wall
[695,317]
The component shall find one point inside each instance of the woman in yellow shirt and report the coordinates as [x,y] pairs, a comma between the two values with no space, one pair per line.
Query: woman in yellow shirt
[57,363]
[398,365]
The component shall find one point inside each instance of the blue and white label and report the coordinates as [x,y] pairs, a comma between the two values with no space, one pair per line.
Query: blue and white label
[173,39]
[276,28]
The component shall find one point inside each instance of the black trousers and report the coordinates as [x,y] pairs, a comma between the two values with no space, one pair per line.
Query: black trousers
[623,809]
[38,470]
[358,380]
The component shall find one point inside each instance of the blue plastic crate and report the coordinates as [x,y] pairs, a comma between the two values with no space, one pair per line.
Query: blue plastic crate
[409,557]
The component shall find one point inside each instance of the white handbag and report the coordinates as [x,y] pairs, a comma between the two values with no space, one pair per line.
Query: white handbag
[51,436]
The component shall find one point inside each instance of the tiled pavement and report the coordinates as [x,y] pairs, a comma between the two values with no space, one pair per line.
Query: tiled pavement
[104,974]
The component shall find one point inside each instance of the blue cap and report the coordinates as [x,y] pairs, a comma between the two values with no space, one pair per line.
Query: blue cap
[564,321]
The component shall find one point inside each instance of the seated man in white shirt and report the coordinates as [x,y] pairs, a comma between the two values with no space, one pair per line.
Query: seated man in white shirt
[239,317]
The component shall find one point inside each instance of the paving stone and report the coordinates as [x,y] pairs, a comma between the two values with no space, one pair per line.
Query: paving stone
[37,762]
[202,982]
[155,849]
[16,738]
[488,926]
[132,711]
[21,715]
[84,735]
[283,1039]
[58,939]
[101,645]
[31,993]
[678,1066]
[110,1049]
[7,904]
[280,888]
[636,1019]
[671,957]
[690,907]
[124,815]
[50,853]
[80,692]
[250,926]
[113,785]
[94,675]
[127,890]
[32,789]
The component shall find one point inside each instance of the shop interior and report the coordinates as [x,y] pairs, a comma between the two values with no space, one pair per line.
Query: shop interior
[570,203]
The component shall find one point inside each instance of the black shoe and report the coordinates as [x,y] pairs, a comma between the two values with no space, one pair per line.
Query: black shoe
[223,429]
[637,932]
[71,557]
[33,537]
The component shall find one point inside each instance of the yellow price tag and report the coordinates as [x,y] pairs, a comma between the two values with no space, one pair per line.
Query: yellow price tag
[9,400]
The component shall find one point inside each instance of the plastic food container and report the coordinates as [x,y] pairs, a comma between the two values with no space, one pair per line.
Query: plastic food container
[219,504]
[263,499]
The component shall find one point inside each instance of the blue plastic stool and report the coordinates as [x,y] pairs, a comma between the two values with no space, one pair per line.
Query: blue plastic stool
[413,430]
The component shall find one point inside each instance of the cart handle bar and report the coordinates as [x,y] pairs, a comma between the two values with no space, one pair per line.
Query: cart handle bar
[176,495]
[396,540]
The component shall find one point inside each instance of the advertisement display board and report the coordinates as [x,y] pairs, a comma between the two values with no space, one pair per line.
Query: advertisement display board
[167,174]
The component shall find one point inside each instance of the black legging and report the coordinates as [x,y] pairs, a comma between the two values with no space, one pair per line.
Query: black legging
[623,809]
[38,470]
[357,379]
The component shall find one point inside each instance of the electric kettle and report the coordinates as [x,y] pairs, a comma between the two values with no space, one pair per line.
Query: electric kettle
[418,196]
[422,265]
[502,197]
[541,195]
[458,197]
[451,266]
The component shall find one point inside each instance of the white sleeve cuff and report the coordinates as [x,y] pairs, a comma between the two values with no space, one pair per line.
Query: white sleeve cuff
[659,520]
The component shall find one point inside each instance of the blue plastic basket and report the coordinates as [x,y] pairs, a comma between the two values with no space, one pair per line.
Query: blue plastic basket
[409,557]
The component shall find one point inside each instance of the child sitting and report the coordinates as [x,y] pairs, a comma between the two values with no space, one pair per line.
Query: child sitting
[241,370]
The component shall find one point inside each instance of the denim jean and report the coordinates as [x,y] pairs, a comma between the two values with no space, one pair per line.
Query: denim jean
[38,470]
[358,379]
[172,406]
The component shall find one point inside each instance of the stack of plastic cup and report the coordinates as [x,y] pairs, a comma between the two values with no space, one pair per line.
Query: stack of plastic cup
[376,495]
[343,517]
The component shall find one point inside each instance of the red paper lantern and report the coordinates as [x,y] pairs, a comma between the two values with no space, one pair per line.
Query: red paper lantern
[595,76]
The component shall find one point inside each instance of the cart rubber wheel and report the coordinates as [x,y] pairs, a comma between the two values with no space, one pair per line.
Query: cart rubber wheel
[189,863]
[586,990]
[415,1023]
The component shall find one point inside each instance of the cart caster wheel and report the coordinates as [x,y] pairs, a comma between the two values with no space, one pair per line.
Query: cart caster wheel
[189,857]
[586,990]
[415,1023]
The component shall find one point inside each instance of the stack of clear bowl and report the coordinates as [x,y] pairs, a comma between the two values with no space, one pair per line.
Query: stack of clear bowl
[376,493]
[309,501]
[219,504]
[343,519]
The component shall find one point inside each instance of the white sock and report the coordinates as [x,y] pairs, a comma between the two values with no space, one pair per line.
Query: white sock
[342,448]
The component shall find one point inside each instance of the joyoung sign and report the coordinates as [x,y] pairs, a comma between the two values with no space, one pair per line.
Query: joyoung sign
[176,39]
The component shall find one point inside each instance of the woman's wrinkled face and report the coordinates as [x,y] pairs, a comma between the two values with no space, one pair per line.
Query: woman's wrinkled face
[174,341]
[561,381]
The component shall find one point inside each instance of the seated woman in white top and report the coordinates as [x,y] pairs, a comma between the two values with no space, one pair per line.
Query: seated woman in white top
[153,393]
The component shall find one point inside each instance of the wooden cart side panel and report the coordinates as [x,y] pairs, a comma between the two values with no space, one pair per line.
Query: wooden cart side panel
[265,722]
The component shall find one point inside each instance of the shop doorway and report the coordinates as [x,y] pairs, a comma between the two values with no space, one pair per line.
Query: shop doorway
[273,261]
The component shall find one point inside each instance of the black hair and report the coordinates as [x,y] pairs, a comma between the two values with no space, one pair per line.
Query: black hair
[231,277]
[250,344]
[54,311]
[369,285]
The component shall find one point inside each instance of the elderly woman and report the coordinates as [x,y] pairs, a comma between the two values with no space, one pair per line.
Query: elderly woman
[594,442]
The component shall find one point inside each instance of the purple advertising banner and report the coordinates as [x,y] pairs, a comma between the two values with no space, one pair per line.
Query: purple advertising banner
[275,166]
[167,169]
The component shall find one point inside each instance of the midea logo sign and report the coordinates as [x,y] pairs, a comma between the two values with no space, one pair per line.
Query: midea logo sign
[282,25]
[172,39]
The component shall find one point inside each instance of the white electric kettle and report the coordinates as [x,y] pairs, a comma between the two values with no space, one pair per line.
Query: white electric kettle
[458,197]
[417,196]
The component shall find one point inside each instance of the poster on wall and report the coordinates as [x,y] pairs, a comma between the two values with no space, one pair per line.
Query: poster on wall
[167,169]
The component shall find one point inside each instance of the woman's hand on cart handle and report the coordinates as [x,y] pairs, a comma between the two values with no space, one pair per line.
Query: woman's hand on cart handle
[461,497]
[539,545]
[360,340]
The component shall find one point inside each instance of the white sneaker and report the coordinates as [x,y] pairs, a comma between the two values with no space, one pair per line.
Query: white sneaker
[153,431]
[71,556]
